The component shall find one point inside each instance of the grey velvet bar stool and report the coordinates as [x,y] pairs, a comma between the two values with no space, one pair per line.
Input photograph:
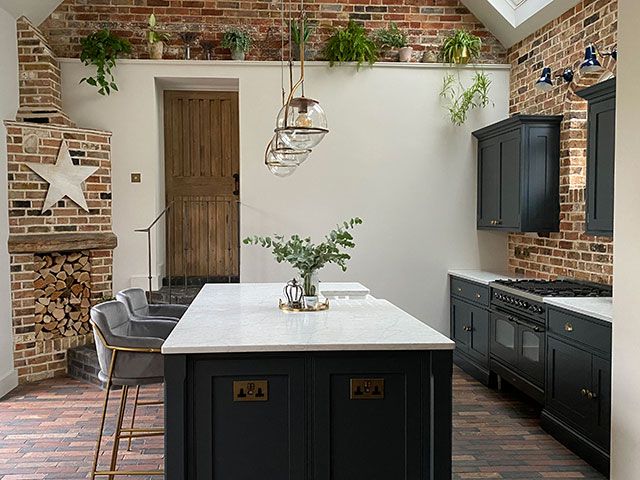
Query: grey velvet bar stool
[139,308]
[129,355]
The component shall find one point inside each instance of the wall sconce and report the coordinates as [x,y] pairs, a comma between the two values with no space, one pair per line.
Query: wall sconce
[545,82]
[591,63]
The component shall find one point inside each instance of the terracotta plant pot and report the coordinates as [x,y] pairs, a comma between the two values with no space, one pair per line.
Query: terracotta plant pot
[461,57]
[404,54]
[156,50]
[237,55]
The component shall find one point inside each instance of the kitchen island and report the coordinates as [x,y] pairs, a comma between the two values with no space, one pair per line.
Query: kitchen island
[359,391]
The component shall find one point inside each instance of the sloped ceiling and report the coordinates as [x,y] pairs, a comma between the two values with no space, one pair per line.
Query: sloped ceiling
[34,10]
[513,20]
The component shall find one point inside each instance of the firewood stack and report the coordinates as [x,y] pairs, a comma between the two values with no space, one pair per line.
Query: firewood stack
[62,285]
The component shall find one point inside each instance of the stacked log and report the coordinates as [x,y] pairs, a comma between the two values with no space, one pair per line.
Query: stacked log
[62,286]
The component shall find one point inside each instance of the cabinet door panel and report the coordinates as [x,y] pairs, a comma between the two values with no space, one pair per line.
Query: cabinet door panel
[367,438]
[510,180]
[245,440]
[479,335]
[568,373]
[602,389]
[600,166]
[460,316]
[489,182]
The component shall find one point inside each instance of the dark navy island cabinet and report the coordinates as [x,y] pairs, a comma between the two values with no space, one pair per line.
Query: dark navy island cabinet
[470,327]
[309,415]
[600,156]
[578,384]
[518,174]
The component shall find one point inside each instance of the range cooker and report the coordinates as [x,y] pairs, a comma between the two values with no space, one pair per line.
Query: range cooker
[518,314]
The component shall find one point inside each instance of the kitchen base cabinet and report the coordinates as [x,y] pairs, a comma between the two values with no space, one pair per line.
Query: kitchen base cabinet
[578,385]
[309,415]
[470,327]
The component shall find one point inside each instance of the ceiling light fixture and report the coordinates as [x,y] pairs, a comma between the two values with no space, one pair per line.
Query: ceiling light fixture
[301,123]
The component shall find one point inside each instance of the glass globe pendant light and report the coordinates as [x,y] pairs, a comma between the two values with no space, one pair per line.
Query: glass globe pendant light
[281,159]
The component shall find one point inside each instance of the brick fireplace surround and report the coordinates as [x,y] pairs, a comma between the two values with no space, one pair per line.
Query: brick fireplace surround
[61,259]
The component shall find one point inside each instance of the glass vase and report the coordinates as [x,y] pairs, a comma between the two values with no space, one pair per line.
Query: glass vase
[311,284]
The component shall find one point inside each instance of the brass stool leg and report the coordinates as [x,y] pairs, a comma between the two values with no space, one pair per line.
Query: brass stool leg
[116,437]
[104,415]
[133,415]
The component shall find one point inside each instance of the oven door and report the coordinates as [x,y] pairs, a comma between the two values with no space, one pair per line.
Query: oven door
[504,338]
[531,350]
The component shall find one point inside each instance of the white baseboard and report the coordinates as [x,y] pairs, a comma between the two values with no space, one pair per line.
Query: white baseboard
[8,382]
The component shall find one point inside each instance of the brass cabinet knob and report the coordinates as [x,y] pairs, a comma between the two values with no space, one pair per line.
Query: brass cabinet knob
[584,392]
[459,289]
[478,295]
[568,327]
[591,395]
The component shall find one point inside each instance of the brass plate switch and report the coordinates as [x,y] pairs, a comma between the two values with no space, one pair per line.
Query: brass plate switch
[250,391]
[367,388]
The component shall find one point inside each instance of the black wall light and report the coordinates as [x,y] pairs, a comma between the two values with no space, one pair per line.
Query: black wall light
[545,82]
[590,64]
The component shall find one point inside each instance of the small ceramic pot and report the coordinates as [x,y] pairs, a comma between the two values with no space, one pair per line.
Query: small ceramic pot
[237,55]
[311,301]
[156,50]
[404,54]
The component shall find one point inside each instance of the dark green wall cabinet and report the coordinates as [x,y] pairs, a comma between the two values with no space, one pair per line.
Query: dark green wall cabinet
[518,174]
[601,141]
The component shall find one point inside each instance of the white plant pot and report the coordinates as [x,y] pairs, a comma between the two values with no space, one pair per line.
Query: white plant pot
[156,50]
[404,54]
[237,55]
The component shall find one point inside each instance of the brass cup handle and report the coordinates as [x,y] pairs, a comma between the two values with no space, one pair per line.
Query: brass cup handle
[584,392]
[467,328]
[591,395]
[568,327]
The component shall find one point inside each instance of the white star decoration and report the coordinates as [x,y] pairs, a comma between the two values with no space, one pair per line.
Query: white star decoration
[65,179]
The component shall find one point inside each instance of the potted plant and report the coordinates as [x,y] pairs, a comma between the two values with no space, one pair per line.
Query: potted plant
[351,44]
[238,41]
[156,39]
[393,37]
[101,49]
[462,100]
[307,258]
[300,36]
[461,47]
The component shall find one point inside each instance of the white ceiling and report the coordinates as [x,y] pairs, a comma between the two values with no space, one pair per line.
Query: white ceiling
[34,10]
[513,20]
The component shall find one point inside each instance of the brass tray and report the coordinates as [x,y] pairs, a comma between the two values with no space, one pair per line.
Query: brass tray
[320,306]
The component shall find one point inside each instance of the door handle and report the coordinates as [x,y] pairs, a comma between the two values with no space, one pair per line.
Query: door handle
[236,177]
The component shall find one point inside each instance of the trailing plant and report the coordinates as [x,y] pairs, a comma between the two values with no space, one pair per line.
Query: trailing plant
[462,100]
[305,256]
[153,35]
[101,49]
[453,46]
[391,37]
[301,35]
[236,40]
[351,44]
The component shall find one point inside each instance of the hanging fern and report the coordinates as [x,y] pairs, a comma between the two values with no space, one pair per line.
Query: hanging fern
[462,100]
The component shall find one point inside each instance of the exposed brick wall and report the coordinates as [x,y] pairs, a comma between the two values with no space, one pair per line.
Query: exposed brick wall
[39,76]
[561,44]
[426,22]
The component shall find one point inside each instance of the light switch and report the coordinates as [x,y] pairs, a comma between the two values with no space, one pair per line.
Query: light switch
[136,177]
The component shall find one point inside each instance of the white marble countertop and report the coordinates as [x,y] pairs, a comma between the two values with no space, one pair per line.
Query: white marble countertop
[596,307]
[245,318]
[483,277]
[343,289]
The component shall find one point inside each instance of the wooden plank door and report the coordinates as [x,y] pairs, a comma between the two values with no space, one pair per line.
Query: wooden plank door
[202,184]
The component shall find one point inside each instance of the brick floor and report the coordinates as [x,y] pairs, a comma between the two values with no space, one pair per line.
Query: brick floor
[47,431]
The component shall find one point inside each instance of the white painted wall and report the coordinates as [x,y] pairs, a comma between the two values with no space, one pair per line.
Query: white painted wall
[392,158]
[625,442]
[8,107]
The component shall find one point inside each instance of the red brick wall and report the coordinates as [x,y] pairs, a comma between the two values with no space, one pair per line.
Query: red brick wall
[561,44]
[426,22]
